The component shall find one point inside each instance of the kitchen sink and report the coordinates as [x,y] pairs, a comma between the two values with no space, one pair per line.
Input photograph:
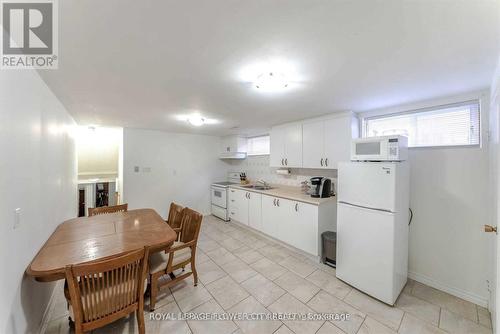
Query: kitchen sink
[257,187]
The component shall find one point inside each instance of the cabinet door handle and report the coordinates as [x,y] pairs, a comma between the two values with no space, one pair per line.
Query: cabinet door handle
[321,162]
[232,200]
[297,207]
[282,162]
[274,202]
[326,162]
[248,195]
[278,202]
[286,162]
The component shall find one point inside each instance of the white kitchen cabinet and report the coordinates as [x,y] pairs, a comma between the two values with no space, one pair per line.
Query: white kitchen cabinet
[304,227]
[238,205]
[245,207]
[270,216]
[255,210]
[327,141]
[233,147]
[286,146]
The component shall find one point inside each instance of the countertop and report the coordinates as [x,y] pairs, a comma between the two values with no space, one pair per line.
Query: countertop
[293,193]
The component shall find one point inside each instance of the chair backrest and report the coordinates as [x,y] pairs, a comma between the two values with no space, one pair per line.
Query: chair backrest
[108,209]
[191,224]
[175,215]
[106,290]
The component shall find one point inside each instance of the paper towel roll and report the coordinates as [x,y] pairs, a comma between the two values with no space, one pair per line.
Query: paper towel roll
[283,171]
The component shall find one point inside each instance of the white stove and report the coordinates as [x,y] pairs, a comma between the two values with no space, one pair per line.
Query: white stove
[219,195]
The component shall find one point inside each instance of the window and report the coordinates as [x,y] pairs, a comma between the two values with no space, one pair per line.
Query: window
[450,125]
[258,145]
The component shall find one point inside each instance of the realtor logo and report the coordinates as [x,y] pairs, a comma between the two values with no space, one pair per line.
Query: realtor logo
[29,39]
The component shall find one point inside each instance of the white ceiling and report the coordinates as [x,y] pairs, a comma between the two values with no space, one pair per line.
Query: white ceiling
[139,63]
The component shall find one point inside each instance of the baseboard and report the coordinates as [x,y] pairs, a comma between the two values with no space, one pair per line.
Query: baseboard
[471,297]
[48,312]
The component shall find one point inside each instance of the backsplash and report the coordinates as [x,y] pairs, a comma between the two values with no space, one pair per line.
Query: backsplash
[257,167]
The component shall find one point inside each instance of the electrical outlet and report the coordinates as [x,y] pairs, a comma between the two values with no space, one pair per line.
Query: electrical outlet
[136,169]
[17,218]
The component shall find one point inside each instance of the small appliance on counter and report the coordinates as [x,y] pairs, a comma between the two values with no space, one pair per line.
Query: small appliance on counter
[321,187]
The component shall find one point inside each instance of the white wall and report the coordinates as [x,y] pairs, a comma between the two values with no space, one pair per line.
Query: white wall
[38,175]
[182,167]
[98,151]
[450,201]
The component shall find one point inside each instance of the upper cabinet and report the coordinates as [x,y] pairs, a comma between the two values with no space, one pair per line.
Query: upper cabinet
[317,143]
[327,141]
[233,147]
[286,146]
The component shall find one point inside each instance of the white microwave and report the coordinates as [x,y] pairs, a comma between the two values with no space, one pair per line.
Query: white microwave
[385,148]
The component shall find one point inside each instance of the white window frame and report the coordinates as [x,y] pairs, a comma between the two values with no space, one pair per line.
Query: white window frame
[364,124]
[258,154]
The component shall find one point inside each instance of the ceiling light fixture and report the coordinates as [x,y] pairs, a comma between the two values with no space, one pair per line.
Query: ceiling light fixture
[196,120]
[271,81]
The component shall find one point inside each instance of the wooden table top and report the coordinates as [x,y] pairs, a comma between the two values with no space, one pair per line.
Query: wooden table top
[86,239]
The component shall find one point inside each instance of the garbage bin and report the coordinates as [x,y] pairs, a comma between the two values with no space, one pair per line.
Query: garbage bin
[329,248]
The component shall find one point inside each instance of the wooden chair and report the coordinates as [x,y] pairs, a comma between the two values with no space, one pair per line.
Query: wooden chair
[175,218]
[108,209]
[104,291]
[182,253]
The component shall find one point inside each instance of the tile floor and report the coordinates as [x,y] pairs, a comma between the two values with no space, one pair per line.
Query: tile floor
[241,271]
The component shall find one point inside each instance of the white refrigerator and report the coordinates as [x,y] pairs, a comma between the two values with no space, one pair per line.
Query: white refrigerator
[372,227]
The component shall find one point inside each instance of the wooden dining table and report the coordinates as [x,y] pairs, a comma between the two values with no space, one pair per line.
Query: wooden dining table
[99,237]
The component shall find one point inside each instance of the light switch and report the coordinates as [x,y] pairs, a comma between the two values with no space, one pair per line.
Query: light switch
[17,218]
[136,169]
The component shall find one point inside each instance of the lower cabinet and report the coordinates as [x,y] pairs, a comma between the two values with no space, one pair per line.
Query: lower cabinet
[292,222]
[245,207]
[295,223]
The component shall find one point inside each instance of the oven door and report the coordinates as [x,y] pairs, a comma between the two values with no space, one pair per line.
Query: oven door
[219,196]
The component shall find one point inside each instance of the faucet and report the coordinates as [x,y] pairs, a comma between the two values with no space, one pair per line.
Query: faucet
[264,183]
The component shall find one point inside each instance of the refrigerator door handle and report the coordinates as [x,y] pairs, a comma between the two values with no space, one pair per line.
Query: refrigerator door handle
[366,207]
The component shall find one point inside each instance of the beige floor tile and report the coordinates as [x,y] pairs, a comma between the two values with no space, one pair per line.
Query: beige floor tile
[189,296]
[172,325]
[264,290]
[217,235]
[201,256]
[238,270]
[484,316]
[128,325]
[329,283]
[329,328]
[249,256]
[211,326]
[389,316]
[238,235]
[231,244]
[288,304]
[419,308]
[227,292]
[323,302]
[251,306]
[372,326]
[459,306]
[208,272]
[268,268]
[297,286]
[275,253]
[283,330]
[454,323]
[221,256]
[208,245]
[413,325]
[299,267]
[258,243]
[409,286]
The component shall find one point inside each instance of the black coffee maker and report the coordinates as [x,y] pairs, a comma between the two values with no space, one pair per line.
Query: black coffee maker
[321,187]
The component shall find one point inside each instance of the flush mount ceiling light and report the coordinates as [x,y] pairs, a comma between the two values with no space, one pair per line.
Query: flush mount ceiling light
[271,81]
[196,119]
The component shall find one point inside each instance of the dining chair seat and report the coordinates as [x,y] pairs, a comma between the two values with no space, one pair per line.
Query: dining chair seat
[159,261]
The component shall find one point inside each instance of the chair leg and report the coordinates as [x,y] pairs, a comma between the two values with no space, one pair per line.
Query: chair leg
[154,292]
[140,322]
[195,273]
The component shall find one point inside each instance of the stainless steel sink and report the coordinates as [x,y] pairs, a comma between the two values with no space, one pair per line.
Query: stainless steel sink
[257,187]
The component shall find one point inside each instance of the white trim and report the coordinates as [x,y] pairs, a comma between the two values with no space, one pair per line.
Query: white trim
[469,296]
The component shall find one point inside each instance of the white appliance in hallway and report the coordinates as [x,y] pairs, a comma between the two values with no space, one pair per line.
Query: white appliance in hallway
[219,195]
[372,226]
